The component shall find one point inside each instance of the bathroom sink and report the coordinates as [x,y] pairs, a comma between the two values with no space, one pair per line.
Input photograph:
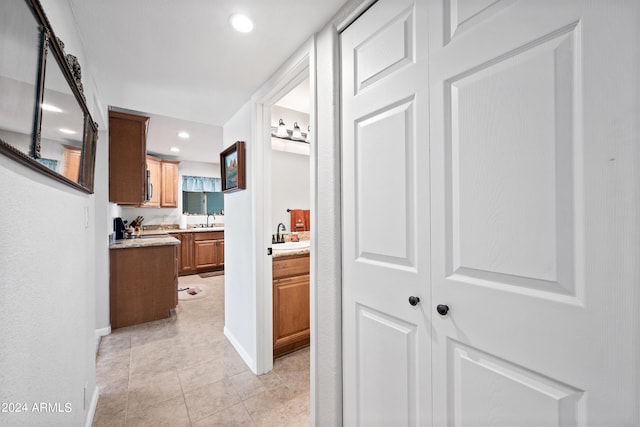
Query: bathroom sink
[289,246]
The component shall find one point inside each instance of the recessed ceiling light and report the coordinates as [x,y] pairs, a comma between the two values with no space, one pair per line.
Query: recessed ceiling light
[51,108]
[174,149]
[67,131]
[241,23]
[183,135]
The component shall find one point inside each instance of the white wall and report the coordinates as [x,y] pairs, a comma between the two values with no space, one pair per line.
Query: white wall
[239,267]
[290,186]
[104,226]
[48,277]
[290,180]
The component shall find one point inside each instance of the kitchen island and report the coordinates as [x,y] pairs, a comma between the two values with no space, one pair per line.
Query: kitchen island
[143,279]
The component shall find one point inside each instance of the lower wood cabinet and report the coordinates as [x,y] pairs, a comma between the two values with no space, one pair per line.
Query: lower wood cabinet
[185,253]
[143,284]
[291,320]
[200,252]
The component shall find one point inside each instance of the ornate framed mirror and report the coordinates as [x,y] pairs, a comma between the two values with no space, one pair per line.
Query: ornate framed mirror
[44,119]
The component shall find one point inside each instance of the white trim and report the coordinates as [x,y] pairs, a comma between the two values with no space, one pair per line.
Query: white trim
[241,351]
[91,413]
[354,14]
[103,332]
[289,75]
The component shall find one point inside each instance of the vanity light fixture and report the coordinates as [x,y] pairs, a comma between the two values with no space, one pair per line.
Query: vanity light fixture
[296,134]
[53,108]
[67,131]
[175,149]
[241,23]
[293,135]
[183,135]
[282,130]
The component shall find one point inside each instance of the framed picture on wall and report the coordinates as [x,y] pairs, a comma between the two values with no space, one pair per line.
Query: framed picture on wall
[232,168]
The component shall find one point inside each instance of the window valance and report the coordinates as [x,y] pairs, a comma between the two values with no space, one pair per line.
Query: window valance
[199,184]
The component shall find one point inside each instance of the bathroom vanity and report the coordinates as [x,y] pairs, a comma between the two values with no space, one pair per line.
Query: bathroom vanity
[290,301]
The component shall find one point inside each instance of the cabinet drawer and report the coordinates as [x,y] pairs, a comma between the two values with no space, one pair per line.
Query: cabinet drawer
[208,235]
[294,266]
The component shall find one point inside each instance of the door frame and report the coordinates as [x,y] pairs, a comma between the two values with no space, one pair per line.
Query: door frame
[291,74]
[319,59]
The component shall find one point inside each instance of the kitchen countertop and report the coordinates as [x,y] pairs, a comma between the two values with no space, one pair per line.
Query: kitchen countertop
[145,242]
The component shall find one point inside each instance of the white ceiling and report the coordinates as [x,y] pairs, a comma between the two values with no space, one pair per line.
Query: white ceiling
[182,59]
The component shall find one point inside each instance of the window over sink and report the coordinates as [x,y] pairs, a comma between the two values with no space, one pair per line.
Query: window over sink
[202,195]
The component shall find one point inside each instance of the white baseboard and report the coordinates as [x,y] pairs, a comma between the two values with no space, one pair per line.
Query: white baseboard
[241,351]
[92,407]
[101,333]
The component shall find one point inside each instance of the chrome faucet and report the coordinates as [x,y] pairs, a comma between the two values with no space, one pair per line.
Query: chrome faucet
[214,218]
[279,238]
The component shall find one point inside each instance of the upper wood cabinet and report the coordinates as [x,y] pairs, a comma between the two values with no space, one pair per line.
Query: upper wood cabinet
[155,175]
[169,193]
[72,159]
[127,158]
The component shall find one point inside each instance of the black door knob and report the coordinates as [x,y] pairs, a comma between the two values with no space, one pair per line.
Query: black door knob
[414,300]
[442,309]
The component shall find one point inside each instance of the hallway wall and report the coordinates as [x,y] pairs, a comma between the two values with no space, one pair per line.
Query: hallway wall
[48,276]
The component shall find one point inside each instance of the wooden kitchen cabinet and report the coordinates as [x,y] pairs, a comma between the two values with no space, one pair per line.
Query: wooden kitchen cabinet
[291,319]
[208,249]
[185,253]
[155,170]
[200,252]
[72,157]
[127,158]
[169,193]
[143,284]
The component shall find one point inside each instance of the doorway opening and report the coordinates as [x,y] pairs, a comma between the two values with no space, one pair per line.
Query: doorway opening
[290,220]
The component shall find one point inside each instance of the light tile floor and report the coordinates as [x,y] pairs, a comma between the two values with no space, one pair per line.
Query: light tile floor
[182,371]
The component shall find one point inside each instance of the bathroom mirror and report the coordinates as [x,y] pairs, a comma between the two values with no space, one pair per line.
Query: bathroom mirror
[44,120]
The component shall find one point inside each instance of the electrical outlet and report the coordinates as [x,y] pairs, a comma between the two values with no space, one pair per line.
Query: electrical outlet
[86,217]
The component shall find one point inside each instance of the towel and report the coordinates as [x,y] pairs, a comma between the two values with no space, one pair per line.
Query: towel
[300,219]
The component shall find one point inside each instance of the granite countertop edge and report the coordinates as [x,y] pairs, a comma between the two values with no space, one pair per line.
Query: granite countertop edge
[291,252]
[143,243]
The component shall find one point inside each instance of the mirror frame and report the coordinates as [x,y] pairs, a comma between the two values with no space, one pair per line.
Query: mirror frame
[70,68]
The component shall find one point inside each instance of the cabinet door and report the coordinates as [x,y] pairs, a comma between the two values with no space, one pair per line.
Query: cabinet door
[290,313]
[169,196]
[127,158]
[220,252]
[72,163]
[153,165]
[206,253]
[185,254]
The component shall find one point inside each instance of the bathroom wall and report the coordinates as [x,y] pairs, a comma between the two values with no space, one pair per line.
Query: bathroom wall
[290,176]
[290,185]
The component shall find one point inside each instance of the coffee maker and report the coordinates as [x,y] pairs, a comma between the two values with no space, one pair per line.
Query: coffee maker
[118,228]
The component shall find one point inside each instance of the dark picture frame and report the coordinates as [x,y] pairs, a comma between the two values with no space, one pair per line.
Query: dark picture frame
[58,75]
[232,168]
